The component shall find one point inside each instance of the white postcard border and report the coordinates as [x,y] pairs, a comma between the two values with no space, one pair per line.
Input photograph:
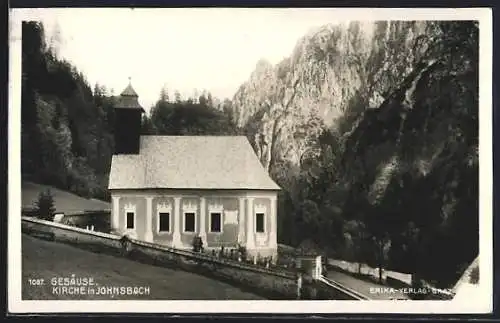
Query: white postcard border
[480,303]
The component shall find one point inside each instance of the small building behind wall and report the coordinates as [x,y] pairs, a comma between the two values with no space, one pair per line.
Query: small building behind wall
[167,189]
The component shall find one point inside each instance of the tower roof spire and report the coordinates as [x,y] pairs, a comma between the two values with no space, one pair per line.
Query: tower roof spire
[129,90]
[128,98]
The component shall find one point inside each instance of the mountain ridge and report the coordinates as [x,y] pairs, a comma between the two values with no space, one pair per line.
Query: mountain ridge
[330,68]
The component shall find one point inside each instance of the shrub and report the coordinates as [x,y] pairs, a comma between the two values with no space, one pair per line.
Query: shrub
[68,221]
[45,206]
[126,244]
[242,251]
[197,244]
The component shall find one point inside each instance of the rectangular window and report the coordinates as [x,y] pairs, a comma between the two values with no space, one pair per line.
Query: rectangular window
[130,220]
[189,222]
[259,222]
[215,222]
[164,225]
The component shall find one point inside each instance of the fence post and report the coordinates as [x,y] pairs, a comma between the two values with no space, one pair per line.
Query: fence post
[299,285]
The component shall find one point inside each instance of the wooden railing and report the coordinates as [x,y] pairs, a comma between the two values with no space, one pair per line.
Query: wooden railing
[352,294]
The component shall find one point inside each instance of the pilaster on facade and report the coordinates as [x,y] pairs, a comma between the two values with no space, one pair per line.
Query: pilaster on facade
[250,236]
[203,228]
[176,235]
[273,220]
[241,220]
[148,230]
[115,226]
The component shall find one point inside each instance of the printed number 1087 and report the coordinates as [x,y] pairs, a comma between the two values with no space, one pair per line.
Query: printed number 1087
[35,282]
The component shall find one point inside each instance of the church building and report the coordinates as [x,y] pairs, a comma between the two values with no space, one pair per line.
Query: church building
[167,189]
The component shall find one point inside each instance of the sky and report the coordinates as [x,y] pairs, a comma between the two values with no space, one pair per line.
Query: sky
[213,49]
[181,49]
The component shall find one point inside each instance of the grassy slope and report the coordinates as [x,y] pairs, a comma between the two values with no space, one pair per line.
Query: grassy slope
[64,201]
[44,259]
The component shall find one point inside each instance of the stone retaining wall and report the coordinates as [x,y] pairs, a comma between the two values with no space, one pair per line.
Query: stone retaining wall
[271,283]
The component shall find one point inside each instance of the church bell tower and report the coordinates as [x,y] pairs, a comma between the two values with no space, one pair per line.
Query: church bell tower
[128,116]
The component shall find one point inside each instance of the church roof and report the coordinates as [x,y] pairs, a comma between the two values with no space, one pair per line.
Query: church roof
[191,162]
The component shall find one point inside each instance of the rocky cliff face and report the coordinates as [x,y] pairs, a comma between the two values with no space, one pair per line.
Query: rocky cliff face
[394,180]
[335,71]
[415,159]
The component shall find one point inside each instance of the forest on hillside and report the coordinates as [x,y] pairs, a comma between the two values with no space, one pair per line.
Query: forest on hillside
[373,138]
